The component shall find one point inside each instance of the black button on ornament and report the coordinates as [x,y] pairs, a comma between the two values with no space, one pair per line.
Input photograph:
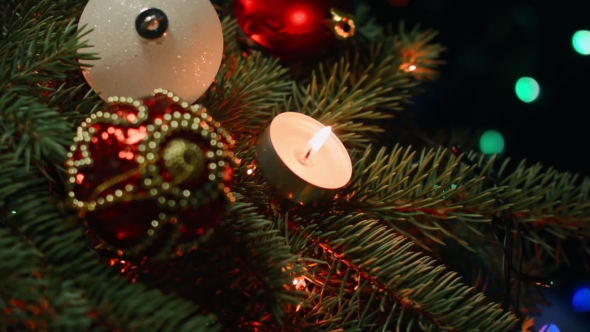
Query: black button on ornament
[151,23]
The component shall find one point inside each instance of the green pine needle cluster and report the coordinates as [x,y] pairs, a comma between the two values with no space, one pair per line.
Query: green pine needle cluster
[373,259]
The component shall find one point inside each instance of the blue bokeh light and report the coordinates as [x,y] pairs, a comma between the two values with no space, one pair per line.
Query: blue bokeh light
[581,300]
[549,328]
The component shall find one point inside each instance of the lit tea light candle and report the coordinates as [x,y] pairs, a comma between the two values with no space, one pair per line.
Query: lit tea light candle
[303,159]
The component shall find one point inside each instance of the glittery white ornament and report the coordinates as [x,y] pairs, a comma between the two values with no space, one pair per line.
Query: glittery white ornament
[148,44]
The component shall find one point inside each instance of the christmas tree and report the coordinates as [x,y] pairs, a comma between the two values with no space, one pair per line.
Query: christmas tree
[416,238]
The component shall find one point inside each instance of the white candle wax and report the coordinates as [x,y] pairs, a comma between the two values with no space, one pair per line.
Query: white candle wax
[281,157]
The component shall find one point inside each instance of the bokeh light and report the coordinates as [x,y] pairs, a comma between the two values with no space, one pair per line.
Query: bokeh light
[581,300]
[581,42]
[549,328]
[298,17]
[398,3]
[527,89]
[491,142]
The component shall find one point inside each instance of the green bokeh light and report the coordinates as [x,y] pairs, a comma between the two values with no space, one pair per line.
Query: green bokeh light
[491,142]
[527,89]
[581,42]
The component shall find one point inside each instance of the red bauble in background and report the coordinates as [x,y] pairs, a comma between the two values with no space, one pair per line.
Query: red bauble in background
[150,177]
[293,29]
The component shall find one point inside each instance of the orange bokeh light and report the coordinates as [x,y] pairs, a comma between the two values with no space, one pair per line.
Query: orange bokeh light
[133,135]
[299,283]
[131,117]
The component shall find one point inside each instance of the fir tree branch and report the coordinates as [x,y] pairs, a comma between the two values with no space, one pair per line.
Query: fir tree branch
[378,270]
[366,24]
[18,259]
[19,288]
[133,307]
[243,274]
[548,206]
[17,19]
[550,202]
[33,131]
[419,193]
[548,196]
[246,92]
[360,89]
[43,49]
[249,182]
[48,53]
[265,256]
[336,98]
[40,54]
[123,305]
[229,26]
[425,193]
[416,48]
[73,102]
[20,15]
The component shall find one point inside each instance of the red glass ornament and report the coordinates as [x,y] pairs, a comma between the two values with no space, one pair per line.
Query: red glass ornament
[289,29]
[150,177]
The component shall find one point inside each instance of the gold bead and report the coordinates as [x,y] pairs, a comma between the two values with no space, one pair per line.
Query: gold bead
[342,24]
[183,159]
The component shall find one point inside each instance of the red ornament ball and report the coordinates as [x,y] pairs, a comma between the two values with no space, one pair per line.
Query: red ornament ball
[291,29]
[150,177]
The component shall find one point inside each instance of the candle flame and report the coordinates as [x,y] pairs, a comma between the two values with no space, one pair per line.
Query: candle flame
[318,140]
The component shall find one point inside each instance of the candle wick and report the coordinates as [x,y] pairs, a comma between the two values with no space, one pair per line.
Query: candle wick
[307,154]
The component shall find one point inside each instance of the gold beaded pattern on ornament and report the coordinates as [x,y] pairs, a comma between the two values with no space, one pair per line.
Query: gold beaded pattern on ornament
[166,194]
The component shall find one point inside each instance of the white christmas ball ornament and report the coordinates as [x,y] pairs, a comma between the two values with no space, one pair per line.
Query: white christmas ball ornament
[148,44]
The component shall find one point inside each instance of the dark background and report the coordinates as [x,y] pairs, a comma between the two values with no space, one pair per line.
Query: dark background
[490,44]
